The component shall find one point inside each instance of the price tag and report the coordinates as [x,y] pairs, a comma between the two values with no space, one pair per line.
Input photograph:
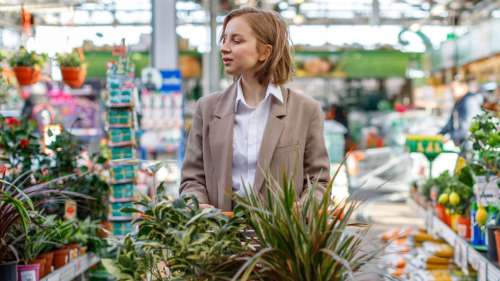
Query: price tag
[460,257]
[482,271]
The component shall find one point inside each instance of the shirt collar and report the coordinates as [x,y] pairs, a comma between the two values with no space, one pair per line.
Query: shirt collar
[272,89]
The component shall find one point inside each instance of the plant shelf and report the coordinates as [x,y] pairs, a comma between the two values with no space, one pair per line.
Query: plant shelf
[486,269]
[73,269]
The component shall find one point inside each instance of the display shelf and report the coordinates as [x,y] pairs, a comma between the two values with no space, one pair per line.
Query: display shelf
[73,269]
[486,269]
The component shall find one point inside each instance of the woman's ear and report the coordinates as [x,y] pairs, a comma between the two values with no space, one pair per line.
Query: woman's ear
[265,52]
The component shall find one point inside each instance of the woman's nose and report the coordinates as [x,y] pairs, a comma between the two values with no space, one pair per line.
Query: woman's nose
[225,48]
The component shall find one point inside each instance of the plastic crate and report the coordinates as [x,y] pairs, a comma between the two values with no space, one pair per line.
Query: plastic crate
[121,135]
[125,152]
[122,191]
[121,228]
[123,173]
[120,117]
[116,209]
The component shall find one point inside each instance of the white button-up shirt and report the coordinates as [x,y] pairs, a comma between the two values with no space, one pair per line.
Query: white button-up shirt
[249,126]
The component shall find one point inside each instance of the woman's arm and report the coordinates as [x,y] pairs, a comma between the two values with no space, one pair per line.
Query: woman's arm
[316,163]
[193,172]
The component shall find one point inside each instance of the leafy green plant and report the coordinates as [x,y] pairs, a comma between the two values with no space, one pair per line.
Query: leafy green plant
[193,244]
[72,59]
[485,137]
[17,206]
[86,235]
[313,240]
[28,59]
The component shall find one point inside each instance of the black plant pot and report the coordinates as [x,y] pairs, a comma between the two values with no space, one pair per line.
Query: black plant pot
[8,271]
[492,244]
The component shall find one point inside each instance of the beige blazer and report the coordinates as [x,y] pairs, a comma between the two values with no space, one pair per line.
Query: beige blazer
[293,135]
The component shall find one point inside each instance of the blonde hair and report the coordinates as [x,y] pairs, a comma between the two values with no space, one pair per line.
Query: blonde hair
[269,29]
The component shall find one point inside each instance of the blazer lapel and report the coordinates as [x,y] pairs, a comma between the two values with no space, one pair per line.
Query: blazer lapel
[272,134]
[221,146]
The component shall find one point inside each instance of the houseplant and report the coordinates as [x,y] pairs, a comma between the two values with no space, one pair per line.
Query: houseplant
[311,240]
[27,66]
[73,68]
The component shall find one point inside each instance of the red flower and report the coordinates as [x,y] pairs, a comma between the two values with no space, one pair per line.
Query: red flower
[23,143]
[11,121]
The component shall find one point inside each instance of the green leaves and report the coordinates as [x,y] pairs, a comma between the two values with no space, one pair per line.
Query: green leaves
[485,137]
[72,59]
[195,244]
[29,59]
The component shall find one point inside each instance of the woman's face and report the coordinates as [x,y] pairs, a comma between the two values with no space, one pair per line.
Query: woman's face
[239,48]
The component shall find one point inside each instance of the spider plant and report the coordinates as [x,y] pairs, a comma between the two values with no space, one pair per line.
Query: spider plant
[306,241]
[18,205]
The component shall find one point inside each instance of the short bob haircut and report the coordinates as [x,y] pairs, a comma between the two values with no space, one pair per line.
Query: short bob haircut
[269,29]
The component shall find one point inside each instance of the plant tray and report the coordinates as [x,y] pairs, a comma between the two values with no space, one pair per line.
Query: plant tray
[120,118]
[125,152]
[116,209]
[121,97]
[122,191]
[121,136]
[123,173]
[121,228]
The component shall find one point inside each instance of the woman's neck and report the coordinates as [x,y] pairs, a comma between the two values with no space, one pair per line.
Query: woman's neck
[253,91]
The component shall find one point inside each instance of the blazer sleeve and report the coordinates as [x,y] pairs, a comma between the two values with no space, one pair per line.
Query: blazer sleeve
[316,163]
[193,172]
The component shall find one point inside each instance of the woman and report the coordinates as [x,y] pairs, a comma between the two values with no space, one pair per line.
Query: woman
[256,126]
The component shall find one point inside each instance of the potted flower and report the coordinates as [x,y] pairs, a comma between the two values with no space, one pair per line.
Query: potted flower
[27,66]
[73,69]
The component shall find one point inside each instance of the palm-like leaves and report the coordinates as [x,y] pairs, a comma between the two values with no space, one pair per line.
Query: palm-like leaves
[310,241]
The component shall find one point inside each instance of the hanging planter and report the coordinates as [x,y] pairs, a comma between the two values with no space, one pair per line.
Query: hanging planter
[27,75]
[73,69]
[26,66]
[74,76]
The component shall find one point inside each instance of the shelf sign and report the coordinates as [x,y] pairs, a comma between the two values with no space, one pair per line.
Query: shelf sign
[171,81]
[430,146]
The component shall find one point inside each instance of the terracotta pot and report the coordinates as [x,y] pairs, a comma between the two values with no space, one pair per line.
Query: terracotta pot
[464,227]
[73,251]
[41,262]
[440,212]
[27,75]
[83,250]
[105,230]
[74,76]
[61,257]
[49,260]
[8,271]
[28,272]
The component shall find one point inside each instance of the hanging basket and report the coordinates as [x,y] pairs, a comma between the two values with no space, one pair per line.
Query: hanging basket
[74,76]
[27,75]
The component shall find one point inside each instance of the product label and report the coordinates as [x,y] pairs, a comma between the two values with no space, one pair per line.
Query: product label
[486,191]
[28,275]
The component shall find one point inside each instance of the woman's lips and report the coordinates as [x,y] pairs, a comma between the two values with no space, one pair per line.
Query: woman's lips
[227,61]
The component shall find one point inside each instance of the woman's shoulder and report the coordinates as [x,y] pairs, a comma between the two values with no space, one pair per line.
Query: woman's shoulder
[300,100]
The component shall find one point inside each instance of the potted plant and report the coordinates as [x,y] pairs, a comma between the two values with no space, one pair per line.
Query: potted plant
[27,66]
[73,68]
